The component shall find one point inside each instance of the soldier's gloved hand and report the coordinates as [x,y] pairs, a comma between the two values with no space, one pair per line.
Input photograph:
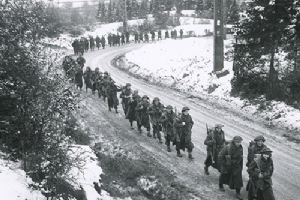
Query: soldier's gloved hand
[260,175]
[183,123]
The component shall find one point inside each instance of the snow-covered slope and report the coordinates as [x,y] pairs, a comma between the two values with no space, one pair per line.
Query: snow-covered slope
[187,65]
[14,184]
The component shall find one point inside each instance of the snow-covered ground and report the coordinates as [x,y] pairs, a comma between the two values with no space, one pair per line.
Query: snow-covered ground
[14,184]
[187,65]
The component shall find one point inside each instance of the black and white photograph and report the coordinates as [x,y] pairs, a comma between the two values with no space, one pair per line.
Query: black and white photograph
[149,99]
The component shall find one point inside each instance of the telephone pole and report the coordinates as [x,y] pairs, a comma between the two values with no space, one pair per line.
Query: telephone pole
[218,35]
[125,17]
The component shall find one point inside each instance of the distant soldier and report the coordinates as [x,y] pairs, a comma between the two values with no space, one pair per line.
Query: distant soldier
[127,37]
[78,77]
[81,46]
[122,39]
[103,42]
[255,148]
[159,35]
[167,120]
[260,171]
[87,76]
[109,38]
[141,37]
[75,45]
[215,141]
[125,96]
[181,33]
[146,37]
[166,34]
[136,37]
[155,112]
[112,95]
[152,36]
[175,34]
[81,61]
[104,84]
[231,166]
[143,115]
[183,125]
[133,102]
[92,43]
[86,44]
[98,42]
[95,79]
[118,39]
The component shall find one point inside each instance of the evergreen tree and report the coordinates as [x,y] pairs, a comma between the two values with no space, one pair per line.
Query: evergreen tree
[264,31]
[233,13]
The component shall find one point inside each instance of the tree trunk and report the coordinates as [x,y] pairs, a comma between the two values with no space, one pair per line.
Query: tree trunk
[273,77]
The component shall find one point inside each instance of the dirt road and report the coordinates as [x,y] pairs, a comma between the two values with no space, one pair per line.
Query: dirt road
[286,155]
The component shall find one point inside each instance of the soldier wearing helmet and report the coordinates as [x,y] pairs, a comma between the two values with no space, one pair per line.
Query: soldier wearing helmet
[155,112]
[255,148]
[260,176]
[142,115]
[167,120]
[183,127]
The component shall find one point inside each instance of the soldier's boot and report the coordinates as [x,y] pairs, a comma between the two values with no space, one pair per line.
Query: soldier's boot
[159,138]
[221,188]
[116,109]
[131,125]
[238,194]
[191,156]
[154,134]
[169,149]
[206,170]
[148,134]
[179,154]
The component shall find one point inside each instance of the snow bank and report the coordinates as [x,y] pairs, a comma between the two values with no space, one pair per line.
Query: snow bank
[88,172]
[187,65]
[14,184]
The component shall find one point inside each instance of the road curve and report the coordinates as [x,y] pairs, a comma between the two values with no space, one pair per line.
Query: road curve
[286,155]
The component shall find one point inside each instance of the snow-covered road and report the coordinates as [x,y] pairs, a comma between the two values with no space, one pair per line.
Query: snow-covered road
[286,155]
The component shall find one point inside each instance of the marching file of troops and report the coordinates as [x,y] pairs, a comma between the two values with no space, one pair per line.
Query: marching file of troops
[225,156]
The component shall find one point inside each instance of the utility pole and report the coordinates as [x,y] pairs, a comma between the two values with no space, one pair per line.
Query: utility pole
[125,17]
[218,35]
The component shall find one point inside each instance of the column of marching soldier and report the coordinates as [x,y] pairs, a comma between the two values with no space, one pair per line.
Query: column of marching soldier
[84,44]
[225,156]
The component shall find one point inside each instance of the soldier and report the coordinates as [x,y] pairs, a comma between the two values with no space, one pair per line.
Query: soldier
[136,38]
[78,76]
[181,33]
[152,36]
[112,95]
[103,42]
[109,38]
[215,141]
[141,39]
[166,34]
[75,45]
[81,61]
[104,84]
[127,37]
[133,102]
[125,95]
[167,120]
[260,171]
[99,84]
[118,39]
[175,34]
[86,44]
[143,115]
[255,148]
[92,43]
[183,125]
[231,166]
[159,35]
[155,112]
[87,76]
[98,42]
[95,79]
[146,37]
[122,39]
